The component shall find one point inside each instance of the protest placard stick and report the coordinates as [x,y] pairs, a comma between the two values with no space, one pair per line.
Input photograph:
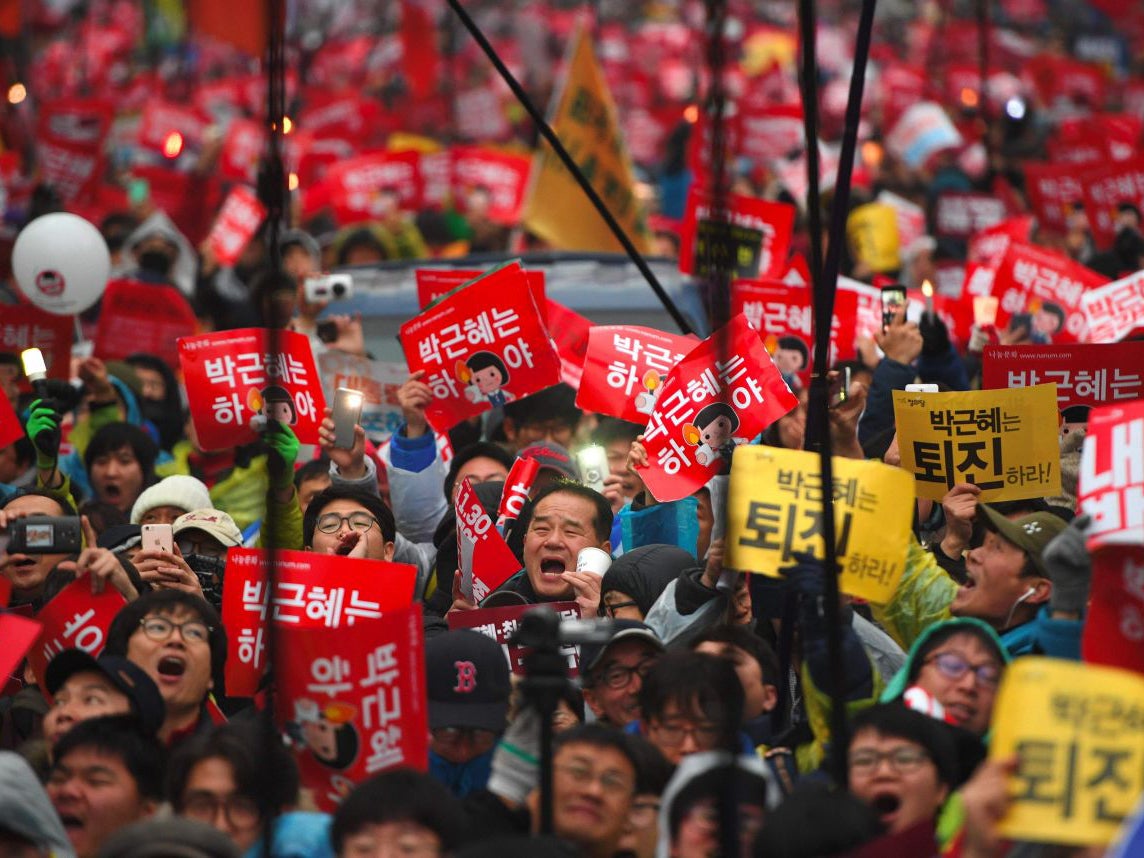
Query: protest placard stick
[550,136]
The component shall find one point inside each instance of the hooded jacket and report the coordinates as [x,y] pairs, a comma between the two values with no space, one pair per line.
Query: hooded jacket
[26,810]
[644,573]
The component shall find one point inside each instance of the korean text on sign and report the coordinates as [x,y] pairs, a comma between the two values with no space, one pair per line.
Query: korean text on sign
[1116,310]
[1081,759]
[1090,374]
[1114,621]
[500,624]
[774,510]
[484,558]
[1111,486]
[235,386]
[1003,441]
[75,618]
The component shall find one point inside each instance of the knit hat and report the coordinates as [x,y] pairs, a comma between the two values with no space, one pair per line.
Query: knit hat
[213,522]
[180,491]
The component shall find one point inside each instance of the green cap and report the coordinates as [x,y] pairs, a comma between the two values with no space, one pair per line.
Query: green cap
[1030,533]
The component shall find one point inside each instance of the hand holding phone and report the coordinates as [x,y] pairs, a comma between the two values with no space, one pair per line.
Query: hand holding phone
[840,387]
[346,414]
[157,537]
[893,304]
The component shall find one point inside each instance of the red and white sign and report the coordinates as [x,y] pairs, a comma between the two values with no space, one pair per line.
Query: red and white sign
[1115,310]
[1048,286]
[69,145]
[778,310]
[481,347]
[517,489]
[569,330]
[354,700]
[500,624]
[1111,487]
[162,121]
[771,132]
[988,246]
[11,429]
[142,317]
[1105,187]
[484,558]
[723,393]
[242,147]
[961,214]
[435,283]
[28,327]
[1086,374]
[502,176]
[752,240]
[311,591]
[373,186]
[18,634]
[1114,621]
[625,367]
[234,386]
[1053,189]
[75,618]
[237,222]
[867,312]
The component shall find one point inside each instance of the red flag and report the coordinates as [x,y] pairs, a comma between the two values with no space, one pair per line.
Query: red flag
[243,25]
[420,58]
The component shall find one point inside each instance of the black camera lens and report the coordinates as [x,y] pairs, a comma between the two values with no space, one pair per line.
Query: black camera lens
[339,289]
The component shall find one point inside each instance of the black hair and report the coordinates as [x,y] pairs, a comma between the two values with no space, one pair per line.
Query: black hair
[122,737]
[942,635]
[653,770]
[898,721]
[710,413]
[116,436]
[311,470]
[271,782]
[277,393]
[601,521]
[749,642]
[65,503]
[400,795]
[750,788]
[1056,310]
[103,515]
[373,504]
[557,402]
[466,454]
[817,819]
[363,237]
[25,451]
[598,736]
[794,344]
[165,601]
[691,681]
[483,360]
[611,429]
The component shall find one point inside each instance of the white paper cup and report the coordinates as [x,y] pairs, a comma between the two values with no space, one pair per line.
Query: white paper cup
[594,560]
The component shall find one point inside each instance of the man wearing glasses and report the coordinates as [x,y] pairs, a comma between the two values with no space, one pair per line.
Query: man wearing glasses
[178,639]
[613,673]
[349,522]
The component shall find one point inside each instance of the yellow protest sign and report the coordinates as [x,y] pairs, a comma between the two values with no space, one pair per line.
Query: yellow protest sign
[1003,441]
[585,121]
[872,231]
[1078,731]
[774,508]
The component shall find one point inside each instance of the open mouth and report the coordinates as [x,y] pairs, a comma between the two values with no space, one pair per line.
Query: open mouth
[71,821]
[112,492]
[552,567]
[960,712]
[23,562]
[172,666]
[886,804]
[348,544]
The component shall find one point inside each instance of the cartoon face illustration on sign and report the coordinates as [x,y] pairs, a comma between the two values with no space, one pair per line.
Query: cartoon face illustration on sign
[485,375]
[271,403]
[713,433]
[328,733]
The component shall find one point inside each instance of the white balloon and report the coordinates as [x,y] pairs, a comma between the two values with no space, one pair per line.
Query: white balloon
[61,263]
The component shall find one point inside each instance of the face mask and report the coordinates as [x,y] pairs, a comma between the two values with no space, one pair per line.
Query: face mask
[209,572]
[462,778]
[156,261]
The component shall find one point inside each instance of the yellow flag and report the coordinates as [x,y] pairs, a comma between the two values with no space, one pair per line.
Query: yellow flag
[1078,732]
[585,120]
[1003,441]
[774,508]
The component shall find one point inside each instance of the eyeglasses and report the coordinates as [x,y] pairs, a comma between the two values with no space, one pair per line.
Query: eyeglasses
[331,522]
[954,667]
[204,547]
[671,733]
[610,608]
[241,812]
[159,629]
[644,813]
[475,736]
[902,759]
[617,676]
[610,782]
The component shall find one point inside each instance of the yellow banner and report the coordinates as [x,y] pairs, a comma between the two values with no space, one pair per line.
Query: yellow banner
[872,231]
[585,121]
[1003,441]
[774,508]
[1078,731]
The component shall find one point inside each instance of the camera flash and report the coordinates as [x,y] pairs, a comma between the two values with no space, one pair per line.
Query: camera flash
[34,367]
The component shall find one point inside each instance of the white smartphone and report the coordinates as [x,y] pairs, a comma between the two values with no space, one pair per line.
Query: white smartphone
[593,462]
[921,388]
[346,413]
[157,537]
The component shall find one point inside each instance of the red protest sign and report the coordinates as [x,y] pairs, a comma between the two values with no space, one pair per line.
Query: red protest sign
[1046,285]
[867,303]
[311,590]
[771,132]
[1087,374]
[353,699]
[70,135]
[492,182]
[484,558]
[481,347]
[962,214]
[1116,310]
[28,327]
[1111,486]
[723,393]
[11,429]
[163,123]
[435,283]
[752,241]
[1105,187]
[74,618]
[237,222]
[569,330]
[777,310]
[500,624]
[234,387]
[625,367]
[142,317]
[18,634]
[1053,189]
[517,488]
[989,245]
[369,186]
[1114,622]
